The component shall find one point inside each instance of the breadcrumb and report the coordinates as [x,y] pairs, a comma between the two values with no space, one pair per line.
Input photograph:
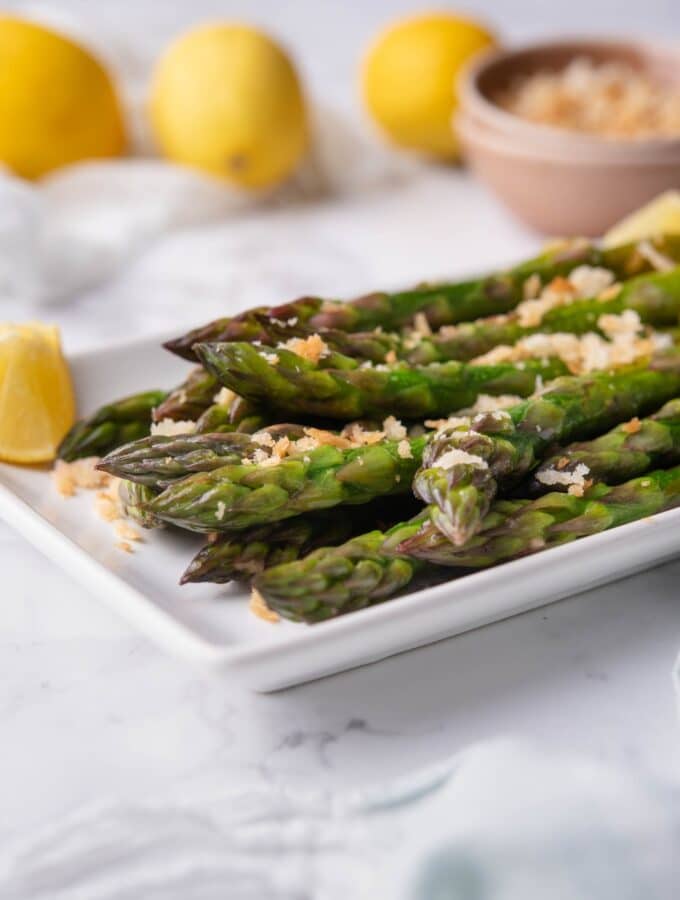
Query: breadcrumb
[421,326]
[456,457]
[312,348]
[404,450]
[394,430]
[224,397]
[127,532]
[258,607]
[632,427]
[169,427]
[82,473]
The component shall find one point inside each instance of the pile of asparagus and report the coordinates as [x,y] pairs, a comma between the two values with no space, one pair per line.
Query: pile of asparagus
[323,524]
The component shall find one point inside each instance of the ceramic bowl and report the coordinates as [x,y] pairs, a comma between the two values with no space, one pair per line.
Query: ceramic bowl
[559,181]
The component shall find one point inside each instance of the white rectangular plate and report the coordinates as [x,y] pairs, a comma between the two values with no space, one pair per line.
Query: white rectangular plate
[212,625]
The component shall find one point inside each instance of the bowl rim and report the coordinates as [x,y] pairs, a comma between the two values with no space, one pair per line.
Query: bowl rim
[470,130]
[474,103]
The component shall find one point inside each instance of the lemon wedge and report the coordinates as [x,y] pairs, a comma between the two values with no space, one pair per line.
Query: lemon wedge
[37,404]
[661,216]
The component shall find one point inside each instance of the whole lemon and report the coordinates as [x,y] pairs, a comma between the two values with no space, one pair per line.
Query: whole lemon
[227,99]
[57,103]
[409,79]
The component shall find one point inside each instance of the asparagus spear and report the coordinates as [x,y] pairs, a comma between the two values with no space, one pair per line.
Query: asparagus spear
[463,465]
[158,460]
[370,568]
[442,304]
[114,424]
[246,326]
[190,399]
[134,498]
[244,554]
[290,383]
[336,580]
[240,496]
[624,452]
[656,299]
[518,528]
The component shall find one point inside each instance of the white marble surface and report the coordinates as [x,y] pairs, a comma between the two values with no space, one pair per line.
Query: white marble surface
[90,711]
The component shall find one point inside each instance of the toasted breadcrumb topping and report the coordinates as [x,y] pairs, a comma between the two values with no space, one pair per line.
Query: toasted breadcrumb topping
[609,293]
[327,438]
[588,352]
[258,607]
[404,449]
[224,397]
[421,326]
[578,490]
[263,438]
[610,98]
[312,348]
[83,474]
[451,422]
[633,426]
[571,478]
[488,403]
[457,457]
[581,283]
[394,430]
[391,357]
[170,427]
[532,287]
[305,443]
[127,532]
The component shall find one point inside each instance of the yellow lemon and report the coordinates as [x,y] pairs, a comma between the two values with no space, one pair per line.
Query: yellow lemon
[409,79]
[37,405]
[227,99]
[57,103]
[661,216]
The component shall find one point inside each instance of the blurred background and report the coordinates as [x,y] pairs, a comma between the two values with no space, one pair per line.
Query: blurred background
[137,247]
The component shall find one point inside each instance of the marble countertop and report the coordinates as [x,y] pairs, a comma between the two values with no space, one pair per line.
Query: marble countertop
[90,710]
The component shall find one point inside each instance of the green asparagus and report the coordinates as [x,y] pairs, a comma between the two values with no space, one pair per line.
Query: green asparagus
[442,304]
[336,580]
[288,382]
[516,528]
[159,460]
[240,496]
[463,464]
[655,298]
[623,453]
[243,555]
[134,498]
[110,426]
[371,568]
[190,399]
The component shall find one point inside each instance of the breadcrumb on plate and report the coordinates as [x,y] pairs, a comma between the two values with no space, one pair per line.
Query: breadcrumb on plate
[258,607]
